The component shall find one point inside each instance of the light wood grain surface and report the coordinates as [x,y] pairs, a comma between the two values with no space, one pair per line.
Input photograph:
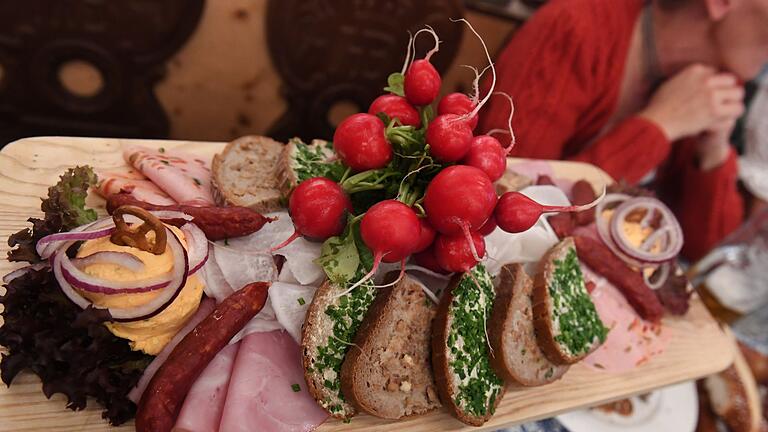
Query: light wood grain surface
[698,346]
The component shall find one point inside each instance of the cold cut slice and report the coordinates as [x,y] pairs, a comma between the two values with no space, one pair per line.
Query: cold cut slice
[133,183]
[267,391]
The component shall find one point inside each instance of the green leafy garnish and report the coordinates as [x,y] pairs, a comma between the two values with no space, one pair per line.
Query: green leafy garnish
[315,160]
[395,84]
[64,210]
[296,388]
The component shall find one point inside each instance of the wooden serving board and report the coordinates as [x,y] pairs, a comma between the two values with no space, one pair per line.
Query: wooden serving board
[698,346]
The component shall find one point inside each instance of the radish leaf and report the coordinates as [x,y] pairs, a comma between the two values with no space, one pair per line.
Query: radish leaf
[395,84]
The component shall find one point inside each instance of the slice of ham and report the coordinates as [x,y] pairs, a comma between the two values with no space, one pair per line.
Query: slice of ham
[204,403]
[631,340]
[134,183]
[205,308]
[262,392]
[185,178]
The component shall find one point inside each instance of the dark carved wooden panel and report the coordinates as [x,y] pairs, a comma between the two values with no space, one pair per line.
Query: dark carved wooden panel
[327,51]
[124,41]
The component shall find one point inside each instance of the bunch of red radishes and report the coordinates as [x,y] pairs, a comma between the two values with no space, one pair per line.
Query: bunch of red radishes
[443,228]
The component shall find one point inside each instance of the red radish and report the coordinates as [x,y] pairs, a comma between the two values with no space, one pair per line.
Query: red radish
[457,103]
[361,144]
[396,107]
[516,212]
[391,229]
[454,253]
[318,208]
[487,154]
[426,237]
[459,198]
[427,260]
[449,137]
[422,83]
[488,227]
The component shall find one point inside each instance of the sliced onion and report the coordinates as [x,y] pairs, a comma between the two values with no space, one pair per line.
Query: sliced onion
[197,246]
[660,279]
[22,271]
[669,231]
[123,259]
[82,280]
[178,279]
[98,229]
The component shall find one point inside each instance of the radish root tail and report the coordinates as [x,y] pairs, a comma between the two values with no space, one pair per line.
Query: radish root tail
[286,242]
[512,139]
[468,236]
[577,208]
[408,53]
[490,64]
[366,278]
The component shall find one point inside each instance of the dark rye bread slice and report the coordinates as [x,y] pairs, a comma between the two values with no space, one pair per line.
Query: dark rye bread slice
[388,372]
[516,354]
[326,335]
[244,174]
[566,322]
[466,382]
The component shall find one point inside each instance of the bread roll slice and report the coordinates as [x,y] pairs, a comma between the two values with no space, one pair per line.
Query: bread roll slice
[388,372]
[516,355]
[244,174]
[467,384]
[327,334]
[298,162]
[566,322]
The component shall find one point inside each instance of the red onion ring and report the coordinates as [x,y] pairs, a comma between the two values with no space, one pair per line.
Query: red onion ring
[123,259]
[674,234]
[22,271]
[664,269]
[146,311]
[94,230]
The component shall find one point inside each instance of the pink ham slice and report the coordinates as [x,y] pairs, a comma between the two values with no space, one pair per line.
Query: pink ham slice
[186,178]
[205,308]
[134,183]
[204,403]
[263,394]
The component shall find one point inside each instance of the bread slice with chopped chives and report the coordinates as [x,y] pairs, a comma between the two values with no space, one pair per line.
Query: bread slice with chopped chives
[467,384]
[567,325]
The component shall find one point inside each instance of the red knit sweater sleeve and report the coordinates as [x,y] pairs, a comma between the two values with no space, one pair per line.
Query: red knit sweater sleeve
[563,75]
[629,151]
[707,203]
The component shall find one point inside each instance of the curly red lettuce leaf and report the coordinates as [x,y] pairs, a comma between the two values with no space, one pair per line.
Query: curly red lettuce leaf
[64,210]
[70,349]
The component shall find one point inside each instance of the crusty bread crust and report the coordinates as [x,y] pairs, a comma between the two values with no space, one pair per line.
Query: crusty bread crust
[375,337]
[315,326]
[444,376]
[224,164]
[286,176]
[516,355]
[542,311]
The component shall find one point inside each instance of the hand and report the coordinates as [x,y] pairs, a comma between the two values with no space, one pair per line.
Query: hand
[714,145]
[695,100]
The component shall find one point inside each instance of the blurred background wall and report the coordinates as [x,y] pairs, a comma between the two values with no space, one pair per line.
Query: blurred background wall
[219,83]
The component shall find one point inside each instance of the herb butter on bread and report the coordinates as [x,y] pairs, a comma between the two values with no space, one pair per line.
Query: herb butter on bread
[516,354]
[567,325]
[326,336]
[467,384]
[299,161]
[387,373]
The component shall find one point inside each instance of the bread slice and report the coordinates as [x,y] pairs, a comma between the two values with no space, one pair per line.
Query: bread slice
[734,396]
[388,372]
[326,335]
[566,322]
[460,353]
[299,161]
[516,355]
[512,181]
[244,174]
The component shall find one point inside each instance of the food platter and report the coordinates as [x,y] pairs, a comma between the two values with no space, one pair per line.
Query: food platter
[697,344]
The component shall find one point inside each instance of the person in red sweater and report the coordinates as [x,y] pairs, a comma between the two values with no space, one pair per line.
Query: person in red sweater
[644,90]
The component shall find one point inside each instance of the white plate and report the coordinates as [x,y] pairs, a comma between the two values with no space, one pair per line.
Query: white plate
[672,409]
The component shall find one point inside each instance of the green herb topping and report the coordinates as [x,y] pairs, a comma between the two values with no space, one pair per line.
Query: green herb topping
[478,385]
[301,301]
[314,160]
[577,324]
[296,388]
